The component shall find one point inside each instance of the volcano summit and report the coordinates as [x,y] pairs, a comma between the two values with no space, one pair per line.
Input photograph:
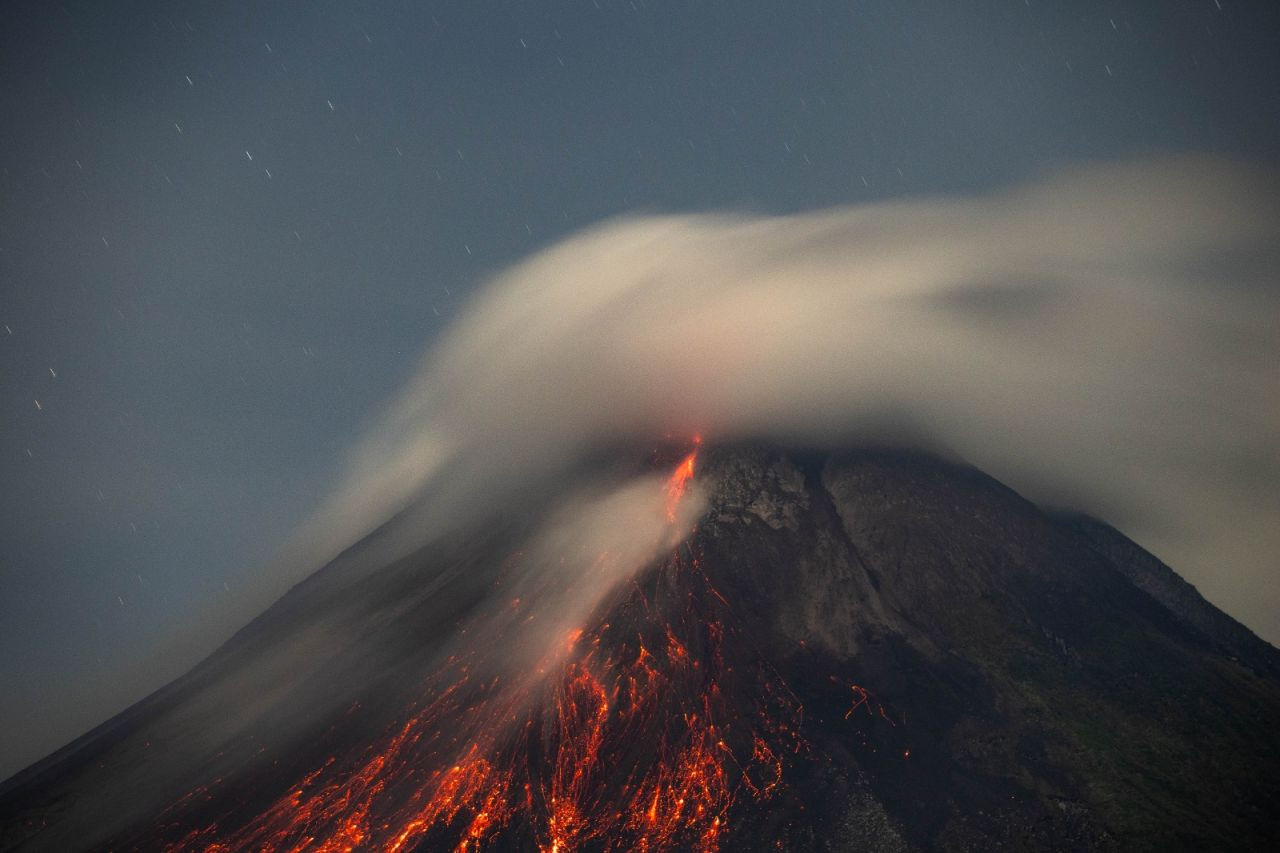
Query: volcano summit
[865,650]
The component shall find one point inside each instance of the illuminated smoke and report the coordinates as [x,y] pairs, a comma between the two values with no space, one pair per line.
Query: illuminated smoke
[639,738]
[1106,339]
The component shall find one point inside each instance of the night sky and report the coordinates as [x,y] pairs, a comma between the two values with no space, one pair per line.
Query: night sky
[227,232]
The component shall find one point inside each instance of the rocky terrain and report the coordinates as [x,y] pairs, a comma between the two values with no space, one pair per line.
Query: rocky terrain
[1062,688]
[926,660]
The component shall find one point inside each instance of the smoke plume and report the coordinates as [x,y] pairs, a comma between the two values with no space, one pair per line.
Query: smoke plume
[1106,340]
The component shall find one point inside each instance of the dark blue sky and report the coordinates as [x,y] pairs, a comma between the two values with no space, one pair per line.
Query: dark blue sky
[230,229]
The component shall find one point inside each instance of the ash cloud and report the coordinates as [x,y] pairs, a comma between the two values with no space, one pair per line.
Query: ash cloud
[596,540]
[1106,340]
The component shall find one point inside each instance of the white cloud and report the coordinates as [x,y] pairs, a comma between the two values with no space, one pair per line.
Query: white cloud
[1107,339]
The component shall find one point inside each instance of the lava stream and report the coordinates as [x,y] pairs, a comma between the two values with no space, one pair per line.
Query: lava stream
[643,738]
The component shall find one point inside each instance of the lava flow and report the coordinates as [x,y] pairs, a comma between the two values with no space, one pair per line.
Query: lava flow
[679,481]
[649,729]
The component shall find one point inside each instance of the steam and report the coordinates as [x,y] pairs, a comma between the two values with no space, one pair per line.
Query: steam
[1107,339]
[596,541]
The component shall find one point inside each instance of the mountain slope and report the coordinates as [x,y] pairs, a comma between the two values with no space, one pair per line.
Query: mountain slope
[864,650]
[1050,701]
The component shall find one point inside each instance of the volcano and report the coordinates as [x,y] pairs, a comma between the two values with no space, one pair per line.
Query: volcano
[857,650]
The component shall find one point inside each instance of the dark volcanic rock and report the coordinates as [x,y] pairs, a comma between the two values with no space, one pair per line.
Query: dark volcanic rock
[1055,698]
[1183,600]
[975,674]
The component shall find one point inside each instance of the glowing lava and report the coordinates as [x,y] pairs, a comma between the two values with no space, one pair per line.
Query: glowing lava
[678,483]
[642,738]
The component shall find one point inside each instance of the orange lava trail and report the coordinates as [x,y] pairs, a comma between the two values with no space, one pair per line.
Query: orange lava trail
[643,741]
[678,483]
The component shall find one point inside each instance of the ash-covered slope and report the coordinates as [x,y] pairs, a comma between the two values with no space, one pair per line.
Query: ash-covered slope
[854,651]
[1050,702]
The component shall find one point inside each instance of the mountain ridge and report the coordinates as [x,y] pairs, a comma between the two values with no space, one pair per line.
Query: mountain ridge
[973,672]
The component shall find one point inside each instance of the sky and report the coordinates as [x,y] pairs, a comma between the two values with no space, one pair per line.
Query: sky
[227,232]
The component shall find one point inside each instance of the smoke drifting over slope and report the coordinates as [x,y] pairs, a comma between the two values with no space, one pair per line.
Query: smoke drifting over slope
[1106,339]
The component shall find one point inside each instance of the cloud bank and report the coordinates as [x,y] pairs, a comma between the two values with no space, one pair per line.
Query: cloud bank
[1106,339]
